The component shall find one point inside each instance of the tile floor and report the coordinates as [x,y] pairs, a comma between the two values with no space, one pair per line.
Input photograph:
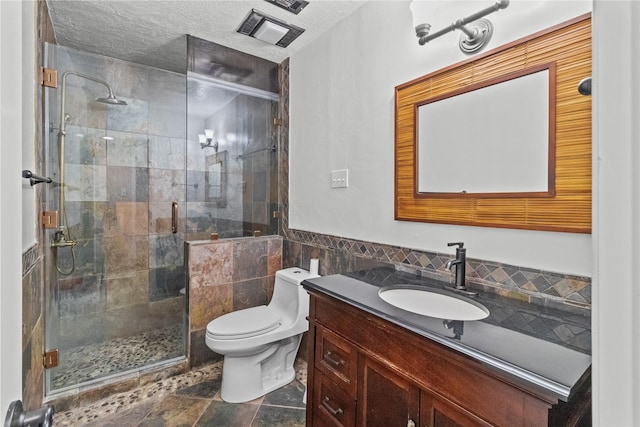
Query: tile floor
[193,399]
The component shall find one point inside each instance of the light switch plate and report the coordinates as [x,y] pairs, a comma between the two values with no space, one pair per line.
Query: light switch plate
[340,178]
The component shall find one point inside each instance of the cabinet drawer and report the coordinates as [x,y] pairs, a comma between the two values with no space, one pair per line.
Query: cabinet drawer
[332,406]
[337,359]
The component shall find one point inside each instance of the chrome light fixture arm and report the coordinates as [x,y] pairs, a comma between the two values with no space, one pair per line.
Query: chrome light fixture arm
[475,37]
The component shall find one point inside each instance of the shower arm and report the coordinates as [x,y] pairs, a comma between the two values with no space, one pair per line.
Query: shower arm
[64,93]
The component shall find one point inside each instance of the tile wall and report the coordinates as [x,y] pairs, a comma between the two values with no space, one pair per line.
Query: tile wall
[32,329]
[225,276]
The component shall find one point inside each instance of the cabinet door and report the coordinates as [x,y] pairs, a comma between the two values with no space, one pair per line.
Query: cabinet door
[436,412]
[384,398]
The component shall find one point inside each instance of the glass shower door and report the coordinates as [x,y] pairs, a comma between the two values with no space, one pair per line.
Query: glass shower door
[238,163]
[115,278]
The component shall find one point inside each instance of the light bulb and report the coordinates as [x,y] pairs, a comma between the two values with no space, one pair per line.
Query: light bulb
[420,12]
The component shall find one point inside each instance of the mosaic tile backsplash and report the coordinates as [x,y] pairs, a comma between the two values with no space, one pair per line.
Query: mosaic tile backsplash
[339,255]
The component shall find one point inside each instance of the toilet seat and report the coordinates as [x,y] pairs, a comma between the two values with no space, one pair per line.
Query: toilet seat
[244,323]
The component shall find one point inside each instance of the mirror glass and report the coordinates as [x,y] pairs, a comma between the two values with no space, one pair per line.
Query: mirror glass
[216,179]
[488,138]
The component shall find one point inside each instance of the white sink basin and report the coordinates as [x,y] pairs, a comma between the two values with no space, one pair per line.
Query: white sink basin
[433,303]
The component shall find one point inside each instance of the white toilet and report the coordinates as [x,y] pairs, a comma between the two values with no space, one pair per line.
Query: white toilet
[260,344]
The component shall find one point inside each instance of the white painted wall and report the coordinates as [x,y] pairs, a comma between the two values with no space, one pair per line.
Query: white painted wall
[342,116]
[16,127]
[29,211]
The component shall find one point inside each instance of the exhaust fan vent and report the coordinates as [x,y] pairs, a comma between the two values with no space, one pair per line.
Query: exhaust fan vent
[269,29]
[293,6]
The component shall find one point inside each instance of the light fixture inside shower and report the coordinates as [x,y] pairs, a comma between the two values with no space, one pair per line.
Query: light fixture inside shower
[206,140]
[269,29]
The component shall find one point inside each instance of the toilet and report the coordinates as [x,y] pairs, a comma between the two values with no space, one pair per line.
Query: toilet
[259,344]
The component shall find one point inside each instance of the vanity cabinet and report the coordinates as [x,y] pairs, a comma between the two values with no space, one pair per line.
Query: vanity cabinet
[366,371]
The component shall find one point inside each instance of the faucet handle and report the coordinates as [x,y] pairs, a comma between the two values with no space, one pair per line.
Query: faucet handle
[459,244]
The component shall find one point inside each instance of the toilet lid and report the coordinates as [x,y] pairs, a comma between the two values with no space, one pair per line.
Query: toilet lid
[244,323]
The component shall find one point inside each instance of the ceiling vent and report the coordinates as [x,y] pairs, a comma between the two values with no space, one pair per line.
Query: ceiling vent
[293,6]
[269,29]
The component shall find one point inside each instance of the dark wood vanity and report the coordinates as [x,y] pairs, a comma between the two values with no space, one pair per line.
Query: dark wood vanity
[367,371]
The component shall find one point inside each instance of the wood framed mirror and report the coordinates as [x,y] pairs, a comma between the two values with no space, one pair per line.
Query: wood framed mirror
[441,153]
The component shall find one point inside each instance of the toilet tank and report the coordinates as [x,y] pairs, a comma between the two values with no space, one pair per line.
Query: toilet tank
[289,297]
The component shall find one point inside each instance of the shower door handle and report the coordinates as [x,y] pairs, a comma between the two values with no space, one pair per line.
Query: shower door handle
[174,217]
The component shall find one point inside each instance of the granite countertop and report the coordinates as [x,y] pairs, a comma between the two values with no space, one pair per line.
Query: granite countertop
[546,347]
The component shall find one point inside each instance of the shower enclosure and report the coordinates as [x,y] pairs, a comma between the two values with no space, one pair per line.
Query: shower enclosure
[114,263]
[143,159]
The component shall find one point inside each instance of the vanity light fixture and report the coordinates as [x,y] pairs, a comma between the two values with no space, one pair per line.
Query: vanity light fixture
[269,29]
[206,140]
[474,38]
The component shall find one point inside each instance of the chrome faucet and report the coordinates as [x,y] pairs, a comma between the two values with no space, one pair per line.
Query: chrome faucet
[460,264]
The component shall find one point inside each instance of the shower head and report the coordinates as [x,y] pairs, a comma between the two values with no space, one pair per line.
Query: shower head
[111,100]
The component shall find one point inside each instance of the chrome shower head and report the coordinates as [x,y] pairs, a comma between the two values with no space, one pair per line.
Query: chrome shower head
[111,100]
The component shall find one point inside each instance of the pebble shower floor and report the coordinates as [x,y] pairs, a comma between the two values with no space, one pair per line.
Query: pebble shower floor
[82,364]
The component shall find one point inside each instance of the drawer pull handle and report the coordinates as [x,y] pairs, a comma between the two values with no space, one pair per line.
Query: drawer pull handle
[328,357]
[327,406]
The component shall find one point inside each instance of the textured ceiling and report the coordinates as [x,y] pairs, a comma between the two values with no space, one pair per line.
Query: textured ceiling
[152,32]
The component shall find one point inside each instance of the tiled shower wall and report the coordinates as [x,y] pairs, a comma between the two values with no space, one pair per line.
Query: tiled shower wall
[225,276]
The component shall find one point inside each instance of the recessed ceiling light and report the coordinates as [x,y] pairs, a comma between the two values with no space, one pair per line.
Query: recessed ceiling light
[269,29]
[270,32]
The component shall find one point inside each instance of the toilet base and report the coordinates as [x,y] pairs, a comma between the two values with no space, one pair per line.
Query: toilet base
[245,378]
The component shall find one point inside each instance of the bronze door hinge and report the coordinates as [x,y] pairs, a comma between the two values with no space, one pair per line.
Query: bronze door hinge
[50,219]
[49,77]
[51,358]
